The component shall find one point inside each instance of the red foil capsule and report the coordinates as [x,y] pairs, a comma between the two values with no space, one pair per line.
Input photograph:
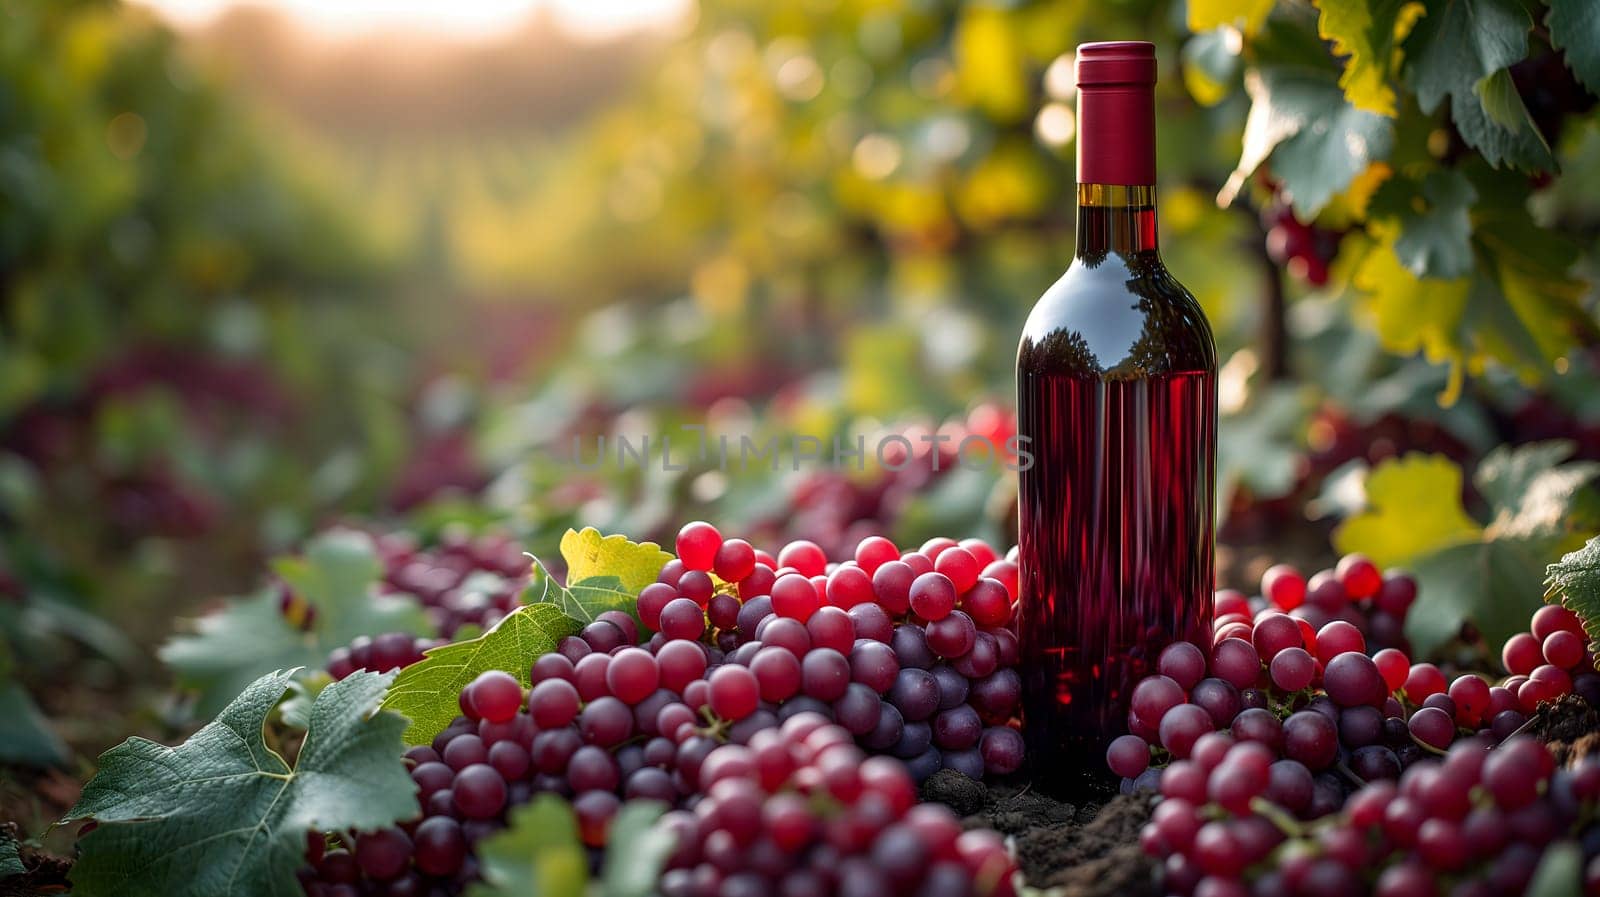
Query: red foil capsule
[1117,113]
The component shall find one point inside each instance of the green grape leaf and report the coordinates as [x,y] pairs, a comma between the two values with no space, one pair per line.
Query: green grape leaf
[1462,50]
[636,850]
[1436,239]
[1245,15]
[10,857]
[1411,313]
[26,738]
[1459,43]
[1575,581]
[1560,872]
[1533,491]
[1493,584]
[1413,508]
[1538,502]
[295,710]
[1317,141]
[428,692]
[1518,307]
[1367,32]
[1211,64]
[223,813]
[337,577]
[1575,30]
[603,573]
[1258,446]
[537,853]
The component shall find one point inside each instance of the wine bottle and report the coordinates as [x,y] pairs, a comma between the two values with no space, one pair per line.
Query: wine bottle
[1116,395]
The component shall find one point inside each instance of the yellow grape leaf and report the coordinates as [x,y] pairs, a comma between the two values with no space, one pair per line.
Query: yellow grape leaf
[1413,509]
[1411,313]
[589,555]
[1246,15]
[1368,32]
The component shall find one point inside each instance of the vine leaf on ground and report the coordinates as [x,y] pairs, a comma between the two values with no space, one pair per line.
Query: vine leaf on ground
[1318,142]
[338,576]
[1560,872]
[634,867]
[1575,581]
[603,573]
[1538,503]
[223,813]
[428,692]
[538,853]
[1367,32]
[1575,30]
[25,734]
[10,858]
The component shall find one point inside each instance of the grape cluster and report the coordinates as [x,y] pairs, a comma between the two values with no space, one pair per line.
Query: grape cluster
[1304,250]
[892,662]
[1355,591]
[1472,824]
[463,580]
[1329,716]
[801,811]
[1549,661]
[379,653]
[912,652]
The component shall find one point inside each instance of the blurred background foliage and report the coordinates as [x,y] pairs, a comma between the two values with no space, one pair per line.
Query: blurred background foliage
[254,281]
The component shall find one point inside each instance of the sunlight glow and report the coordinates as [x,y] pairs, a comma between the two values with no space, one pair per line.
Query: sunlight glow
[466,18]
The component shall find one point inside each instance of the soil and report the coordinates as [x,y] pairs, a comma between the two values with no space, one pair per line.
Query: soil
[1570,727]
[46,874]
[1086,845]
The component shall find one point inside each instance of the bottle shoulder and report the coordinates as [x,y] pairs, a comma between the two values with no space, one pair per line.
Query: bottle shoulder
[1121,317]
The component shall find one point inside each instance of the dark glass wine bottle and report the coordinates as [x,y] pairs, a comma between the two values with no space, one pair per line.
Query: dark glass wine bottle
[1116,395]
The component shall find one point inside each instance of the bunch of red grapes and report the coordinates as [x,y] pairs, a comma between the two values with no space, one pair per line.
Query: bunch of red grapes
[1472,823]
[1354,591]
[1279,721]
[801,812]
[912,659]
[462,581]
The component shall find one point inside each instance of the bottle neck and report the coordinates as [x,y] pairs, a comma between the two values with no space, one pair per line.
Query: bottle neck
[1115,218]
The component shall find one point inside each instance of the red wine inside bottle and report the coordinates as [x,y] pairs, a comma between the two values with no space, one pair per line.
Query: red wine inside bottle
[1116,394]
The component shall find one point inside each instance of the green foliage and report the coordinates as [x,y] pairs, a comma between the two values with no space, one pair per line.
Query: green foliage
[1449,263]
[1560,872]
[337,577]
[539,853]
[224,812]
[1575,581]
[1318,141]
[10,859]
[427,692]
[1575,29]
[25,735]
[1538,503]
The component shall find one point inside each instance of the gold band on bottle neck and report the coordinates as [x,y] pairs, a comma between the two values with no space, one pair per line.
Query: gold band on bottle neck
[1107,196]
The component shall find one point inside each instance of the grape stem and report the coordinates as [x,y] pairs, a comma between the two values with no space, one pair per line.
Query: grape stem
[1275,815]
[1427,747]
[1342,769]
[1526,725]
